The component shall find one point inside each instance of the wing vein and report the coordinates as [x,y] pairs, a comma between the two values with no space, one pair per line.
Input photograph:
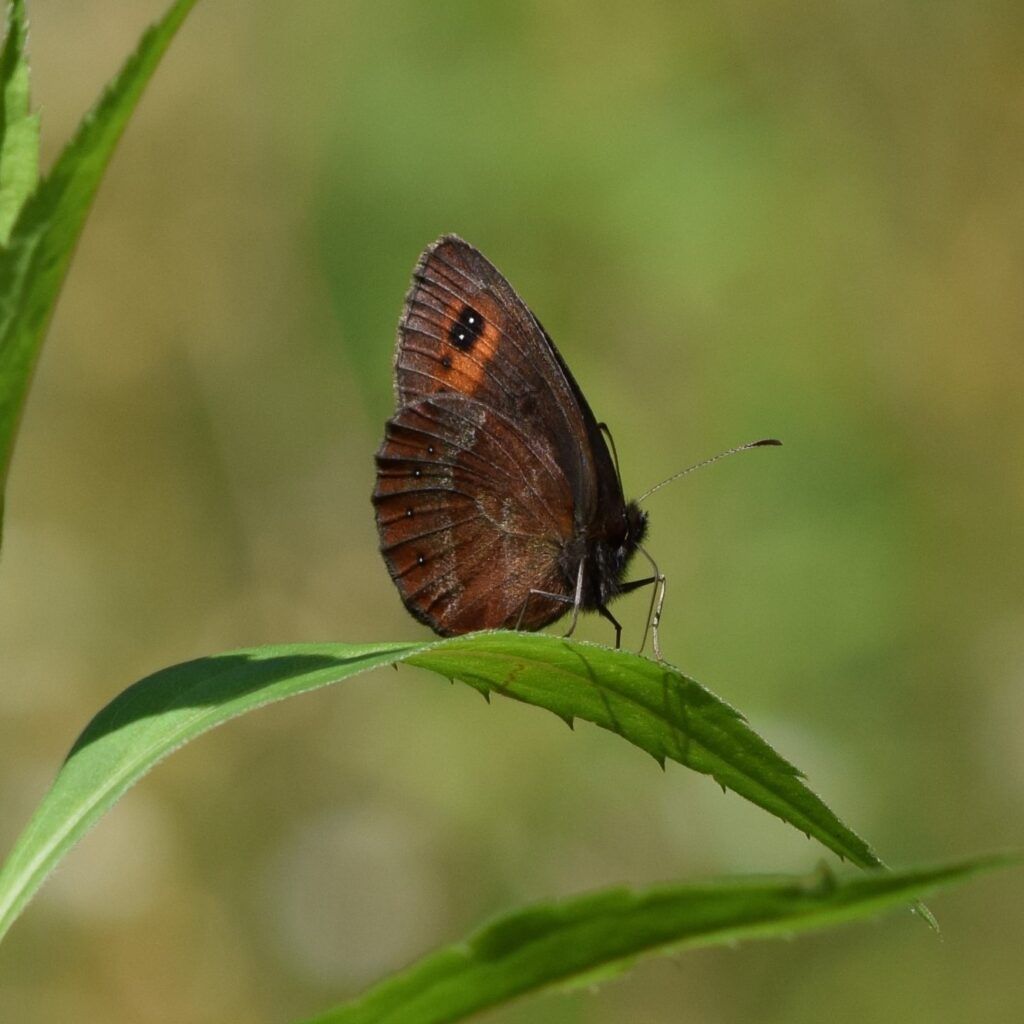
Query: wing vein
[540,458]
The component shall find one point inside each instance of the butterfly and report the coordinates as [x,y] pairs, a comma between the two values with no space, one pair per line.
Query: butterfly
[498,502]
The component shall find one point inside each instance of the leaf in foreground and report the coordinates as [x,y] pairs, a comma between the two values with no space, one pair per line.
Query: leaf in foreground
[35,259]
[146,723]
[655,707]
[19,130]
[649,704]
[595,937]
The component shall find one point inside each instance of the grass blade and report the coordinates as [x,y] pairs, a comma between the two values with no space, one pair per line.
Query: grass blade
[656,708]
[35,259]
[595,937]
[19,130]
[147,722]
[651,705]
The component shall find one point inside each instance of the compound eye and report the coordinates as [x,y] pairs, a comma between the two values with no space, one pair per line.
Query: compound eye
[620,533]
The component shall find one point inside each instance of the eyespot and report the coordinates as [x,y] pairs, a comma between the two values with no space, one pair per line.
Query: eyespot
[466,329]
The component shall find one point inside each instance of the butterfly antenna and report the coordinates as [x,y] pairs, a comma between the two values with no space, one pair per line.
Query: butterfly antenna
[707,462]
[603,427]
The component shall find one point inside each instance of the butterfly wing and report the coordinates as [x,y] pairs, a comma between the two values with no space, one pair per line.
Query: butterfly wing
[473,513]
[465,331]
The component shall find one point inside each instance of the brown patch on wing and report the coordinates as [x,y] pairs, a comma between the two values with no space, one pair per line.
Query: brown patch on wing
[472,516]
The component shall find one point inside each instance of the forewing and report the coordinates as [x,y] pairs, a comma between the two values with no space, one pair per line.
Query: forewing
[472,515]
[465,331]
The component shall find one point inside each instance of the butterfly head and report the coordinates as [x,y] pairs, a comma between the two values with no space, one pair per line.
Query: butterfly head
[626,533]
[634,528]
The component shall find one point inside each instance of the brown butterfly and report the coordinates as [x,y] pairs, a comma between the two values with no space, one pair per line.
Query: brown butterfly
[498,502]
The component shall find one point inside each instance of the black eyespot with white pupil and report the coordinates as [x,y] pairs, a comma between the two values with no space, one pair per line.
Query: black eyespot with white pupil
[466,329]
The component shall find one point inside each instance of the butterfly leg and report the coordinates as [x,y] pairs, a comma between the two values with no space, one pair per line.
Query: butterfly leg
[539,593]
[575,601]
[628,588]
[603,611]
[657,619]
[657,603]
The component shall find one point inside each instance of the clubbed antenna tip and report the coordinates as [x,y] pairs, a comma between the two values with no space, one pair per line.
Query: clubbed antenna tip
[707,462]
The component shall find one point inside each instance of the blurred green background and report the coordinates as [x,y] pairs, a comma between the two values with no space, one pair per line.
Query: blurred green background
[736,219]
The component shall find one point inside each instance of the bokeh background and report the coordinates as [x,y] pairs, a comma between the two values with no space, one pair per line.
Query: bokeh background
[736,219]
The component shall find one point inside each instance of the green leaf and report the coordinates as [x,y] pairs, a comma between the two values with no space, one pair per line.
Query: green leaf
[653,706]
[36,257]
[592,938]
[19,130]
[650,704]
[148,721]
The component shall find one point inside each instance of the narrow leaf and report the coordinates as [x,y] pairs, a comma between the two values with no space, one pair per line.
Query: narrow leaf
[594,937]
[652,705]
[19,130]
[148,721]
[655,707]
[34,262]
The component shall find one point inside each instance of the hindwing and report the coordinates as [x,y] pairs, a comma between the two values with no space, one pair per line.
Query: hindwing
[473,514]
